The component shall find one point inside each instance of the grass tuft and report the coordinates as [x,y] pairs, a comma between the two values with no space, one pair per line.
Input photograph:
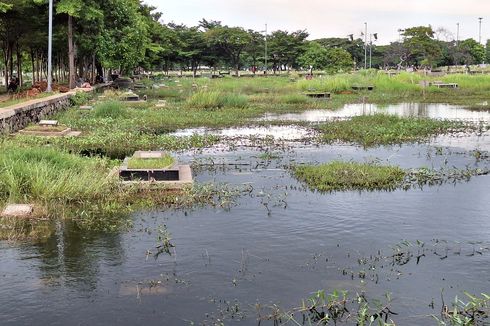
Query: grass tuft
[152,163]
[215,99]
[111,109]
[342,176]
[382,129]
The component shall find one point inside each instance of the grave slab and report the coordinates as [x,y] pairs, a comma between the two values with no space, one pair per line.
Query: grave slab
[18,210]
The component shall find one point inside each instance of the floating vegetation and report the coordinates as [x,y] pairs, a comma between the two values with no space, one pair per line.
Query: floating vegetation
[344,176]
[472,312]
[333,308]
[382,129]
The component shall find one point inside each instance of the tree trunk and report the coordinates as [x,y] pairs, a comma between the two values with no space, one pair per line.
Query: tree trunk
[19,65]
[71,53]
[33,67]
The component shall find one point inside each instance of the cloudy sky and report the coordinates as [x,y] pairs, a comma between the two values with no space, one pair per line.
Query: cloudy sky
[334,17]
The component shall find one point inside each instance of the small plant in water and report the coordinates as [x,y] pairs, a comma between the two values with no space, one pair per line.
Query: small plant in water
[164,244]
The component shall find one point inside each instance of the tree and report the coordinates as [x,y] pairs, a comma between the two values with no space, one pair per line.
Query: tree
[124,39]
[420,43]
[488,51]
[193,46]
[232,41]
[286,48]
[255,48]
[315,56]
[354,46]
[472,52]
[338,60]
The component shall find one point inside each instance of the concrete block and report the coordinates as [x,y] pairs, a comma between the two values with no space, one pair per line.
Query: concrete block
[18,210]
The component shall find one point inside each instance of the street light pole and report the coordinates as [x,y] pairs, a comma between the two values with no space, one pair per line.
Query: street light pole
[457,34]
[265,57]
[50,47]
[479,38]
[365,44]
[370,51]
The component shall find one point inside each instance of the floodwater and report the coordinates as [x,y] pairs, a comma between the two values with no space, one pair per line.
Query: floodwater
[294,132]
[275,244]
[288,132]
[422,110]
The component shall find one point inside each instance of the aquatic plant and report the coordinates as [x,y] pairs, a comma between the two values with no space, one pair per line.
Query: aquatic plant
[383,129]
[338,175]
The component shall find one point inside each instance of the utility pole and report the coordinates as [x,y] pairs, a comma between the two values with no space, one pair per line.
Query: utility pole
[365,44]
[479,37]
[370,51]
[265,57]
[457,34]
[50,47]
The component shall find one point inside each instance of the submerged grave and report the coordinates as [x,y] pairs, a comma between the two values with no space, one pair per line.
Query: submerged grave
[155,168]
[318,95]
[49,128]
[362,88]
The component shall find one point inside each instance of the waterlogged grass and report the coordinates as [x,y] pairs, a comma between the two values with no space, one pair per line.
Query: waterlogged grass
[216,100]
[111,109]
[151,163]
[381,129]
[342,176]
[118,144]
[42,174]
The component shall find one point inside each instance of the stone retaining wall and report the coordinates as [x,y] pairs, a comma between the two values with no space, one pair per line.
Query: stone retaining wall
[16,117]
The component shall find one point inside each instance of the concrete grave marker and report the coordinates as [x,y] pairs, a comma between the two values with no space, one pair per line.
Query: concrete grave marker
[148,154]
[18,210]
[48,123]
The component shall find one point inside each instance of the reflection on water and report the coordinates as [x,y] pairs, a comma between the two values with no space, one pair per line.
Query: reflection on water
[434,111]
[278,132]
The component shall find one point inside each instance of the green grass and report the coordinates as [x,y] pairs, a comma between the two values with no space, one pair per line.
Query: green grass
[58,128]
[151,163]
[111,109]
[216,99]
[45,174]
[381,129]
[342,176]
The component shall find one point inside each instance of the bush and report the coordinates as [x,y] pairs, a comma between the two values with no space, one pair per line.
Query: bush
[79,98]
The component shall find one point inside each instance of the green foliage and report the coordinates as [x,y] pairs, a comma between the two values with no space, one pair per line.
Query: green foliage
[420,43]
[343,176]
[472,52]
[381,129]
[79,98]
[338,60]
[487,52]
[315,56]
[232,41]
